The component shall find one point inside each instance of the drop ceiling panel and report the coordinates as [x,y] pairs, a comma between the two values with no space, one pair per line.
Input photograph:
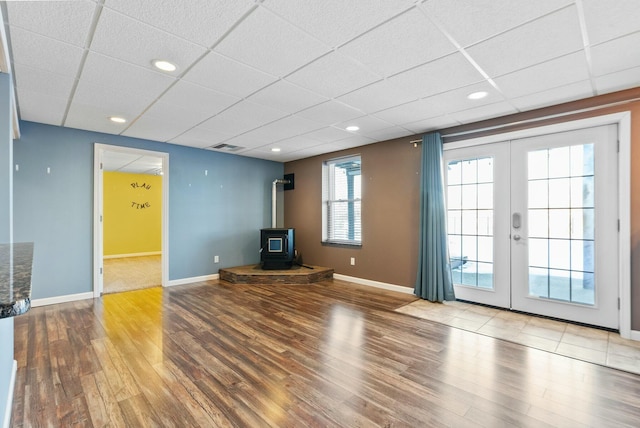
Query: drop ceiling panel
[333,75]
[607,59]
[404,42]
[378,96]
[151,128]
[330,112]
[262,36]
[243,117]
[388,133]
[93,118]
[225,75]
[332,21]
[66,21]
[365,123]
[122,76]
[118,102]
[547,75]
[617,81]
[200,21]
[287,97]
[188,117]
[115,32]
[441,75]
[284,128]
[483,112]
[572,92]
[328,134]
[606,20]
[431,124]
[546,38]
[200,137]
[195,97]
[46,82]
[41,107]
[38,51]
[472,21]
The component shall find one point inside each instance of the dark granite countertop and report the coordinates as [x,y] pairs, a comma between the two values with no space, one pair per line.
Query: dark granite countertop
[15,278]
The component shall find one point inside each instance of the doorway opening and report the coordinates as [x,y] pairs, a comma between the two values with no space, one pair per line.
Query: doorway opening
[130,219]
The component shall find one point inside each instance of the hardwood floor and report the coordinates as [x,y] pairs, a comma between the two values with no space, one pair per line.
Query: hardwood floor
[330,354]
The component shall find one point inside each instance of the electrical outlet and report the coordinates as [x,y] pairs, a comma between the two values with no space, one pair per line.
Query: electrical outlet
[353,261]
[216,259]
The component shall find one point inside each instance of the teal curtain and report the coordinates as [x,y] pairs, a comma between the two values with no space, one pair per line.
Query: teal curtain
[433,281]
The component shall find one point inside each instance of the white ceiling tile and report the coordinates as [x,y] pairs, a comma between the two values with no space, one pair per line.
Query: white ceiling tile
[118,102]
[441,75]
[330,112]
[327,134]
[333,75]
[549,37]
[200,21]
[626,79]
[377,96]
[115,32]
[388,133]
[431,124]
[410,112]
[245,142]
[366,124]
[242,117]
[286,97]
[41,107]
[284,128]
[169,112]
[200,137]
[606,57]
[222,74]
[547,75]
[332,21]
[271,44]
[295,143]
[397,45]
[195,97]
[572,92]
[122,76]
[476,114]
[606,20]
[41,52]
[46,82]
[471,21]
[151,128]
[92,118]
[67,21]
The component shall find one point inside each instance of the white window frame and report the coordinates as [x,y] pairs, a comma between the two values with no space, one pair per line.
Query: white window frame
[328,196]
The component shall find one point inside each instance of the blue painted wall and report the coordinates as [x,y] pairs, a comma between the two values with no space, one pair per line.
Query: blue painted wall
[220,213]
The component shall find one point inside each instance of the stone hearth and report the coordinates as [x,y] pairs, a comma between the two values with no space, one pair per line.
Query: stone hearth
[254,274]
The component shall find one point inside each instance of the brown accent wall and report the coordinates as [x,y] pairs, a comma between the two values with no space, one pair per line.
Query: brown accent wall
[391,195]
[390,213]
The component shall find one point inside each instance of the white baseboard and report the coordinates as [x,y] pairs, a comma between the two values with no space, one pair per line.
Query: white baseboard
[635,335]
[191,280]
[122,256]
[377,284]
[61,299]
[9,404]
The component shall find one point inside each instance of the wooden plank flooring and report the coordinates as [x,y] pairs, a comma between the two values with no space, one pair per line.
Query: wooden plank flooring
[330,354]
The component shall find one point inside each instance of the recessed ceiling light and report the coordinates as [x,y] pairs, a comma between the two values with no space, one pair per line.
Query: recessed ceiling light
[352,128]
[117,119]
[164,65]
[477,95]
[275,149]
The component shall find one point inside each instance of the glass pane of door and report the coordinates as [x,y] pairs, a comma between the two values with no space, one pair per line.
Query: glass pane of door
[561,223]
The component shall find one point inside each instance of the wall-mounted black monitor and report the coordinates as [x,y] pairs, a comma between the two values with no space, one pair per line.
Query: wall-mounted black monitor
[277,248]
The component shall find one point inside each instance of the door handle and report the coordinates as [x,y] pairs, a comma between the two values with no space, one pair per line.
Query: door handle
[516,237]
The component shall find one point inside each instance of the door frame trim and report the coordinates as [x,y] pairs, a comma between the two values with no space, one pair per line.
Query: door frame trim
[98,238]
[623,121]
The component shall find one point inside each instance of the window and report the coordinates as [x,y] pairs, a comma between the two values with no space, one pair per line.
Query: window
[342,201]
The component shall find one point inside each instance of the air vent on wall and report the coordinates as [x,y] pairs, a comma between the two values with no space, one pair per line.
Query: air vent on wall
[227,147]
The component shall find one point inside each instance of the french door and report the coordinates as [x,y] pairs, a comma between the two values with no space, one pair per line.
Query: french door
[533,224]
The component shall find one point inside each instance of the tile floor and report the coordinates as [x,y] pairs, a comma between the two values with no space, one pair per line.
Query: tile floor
[583,343]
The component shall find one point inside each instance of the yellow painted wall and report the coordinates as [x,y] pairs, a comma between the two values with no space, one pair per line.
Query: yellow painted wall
[132,213]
